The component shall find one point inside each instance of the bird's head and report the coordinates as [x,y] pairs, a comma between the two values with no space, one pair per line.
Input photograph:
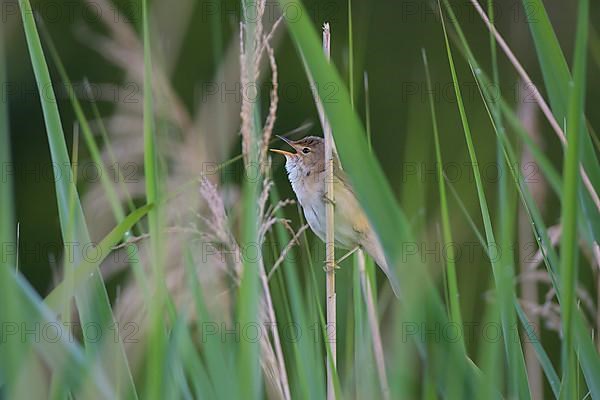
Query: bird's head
[307,159]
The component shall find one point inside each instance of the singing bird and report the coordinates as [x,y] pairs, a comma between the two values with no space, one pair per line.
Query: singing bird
[306,172]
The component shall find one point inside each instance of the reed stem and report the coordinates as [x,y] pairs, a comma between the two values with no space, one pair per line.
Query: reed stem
[329,236]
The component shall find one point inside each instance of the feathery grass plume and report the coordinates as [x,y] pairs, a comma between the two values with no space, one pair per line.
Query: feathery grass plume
[254,43]
[204,141]
[197,150]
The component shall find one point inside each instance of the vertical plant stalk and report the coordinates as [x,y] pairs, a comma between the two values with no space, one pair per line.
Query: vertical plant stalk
[528,114]
[453,294]
[373,326]
[596,250]
[569,212]
[254,43]
[367,111]
[157,340]
[329,235]
[350,55]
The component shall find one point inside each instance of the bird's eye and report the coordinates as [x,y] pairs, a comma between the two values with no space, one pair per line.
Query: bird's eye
[306,150]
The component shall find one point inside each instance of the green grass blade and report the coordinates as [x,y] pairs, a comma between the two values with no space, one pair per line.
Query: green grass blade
[557,80]
[54,129]
[569,241]
[308,365]
[93,303]
[507,204]
[589,359]
[157,340]
[9,367]
[88,136]
[453,295]
[88,268]
[215,351]
[150,155]
[249,291]
[65,358]
[7,212]
[542,356]
[350,55]
[490,354]
[503,273]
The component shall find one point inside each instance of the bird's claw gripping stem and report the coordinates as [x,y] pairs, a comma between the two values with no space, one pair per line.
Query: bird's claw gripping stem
[326,199]
[328,268]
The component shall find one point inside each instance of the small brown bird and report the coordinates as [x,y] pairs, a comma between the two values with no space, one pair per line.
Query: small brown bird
[306,172]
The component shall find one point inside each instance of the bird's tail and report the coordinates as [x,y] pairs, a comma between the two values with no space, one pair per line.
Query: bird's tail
[374,249]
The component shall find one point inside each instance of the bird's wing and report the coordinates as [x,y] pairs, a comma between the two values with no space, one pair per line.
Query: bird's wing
[339,173]
[372,246]
[369,240]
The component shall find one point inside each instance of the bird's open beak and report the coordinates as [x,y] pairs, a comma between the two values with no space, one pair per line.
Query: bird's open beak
[285,153]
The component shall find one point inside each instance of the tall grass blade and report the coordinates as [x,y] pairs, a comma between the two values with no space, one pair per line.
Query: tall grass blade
[93,303]
[249,292]
[542,356]
[88,135]
[557,79]
[569,244]
[65,358]
[503,273]
[8,228]
[308,362]
[589,359]
[87,268]
[453,295]
[510,158]
[13,355]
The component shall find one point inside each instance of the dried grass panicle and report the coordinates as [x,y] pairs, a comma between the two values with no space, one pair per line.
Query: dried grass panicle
[217,227]
[255,149]
[246,109]
[204,135]
[274,100]
[124,48]
[272,361]
[218,220]
[250,67]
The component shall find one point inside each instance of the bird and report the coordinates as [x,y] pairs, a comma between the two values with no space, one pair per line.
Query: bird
[306,173]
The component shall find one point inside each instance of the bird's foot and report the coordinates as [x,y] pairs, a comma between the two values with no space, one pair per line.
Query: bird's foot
[326,199]
[348,254]
[328,268]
